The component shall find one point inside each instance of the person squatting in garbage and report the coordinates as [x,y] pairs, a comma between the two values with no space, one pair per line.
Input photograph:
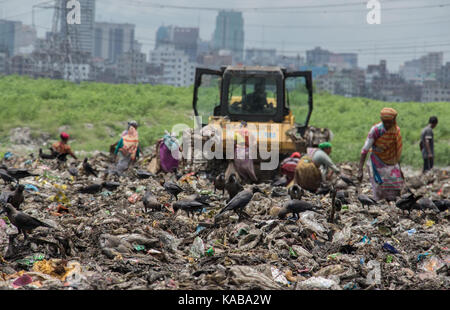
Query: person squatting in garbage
[62,147]
[288,166]
[384,147]
[112,147]
[315,167]
[128,148]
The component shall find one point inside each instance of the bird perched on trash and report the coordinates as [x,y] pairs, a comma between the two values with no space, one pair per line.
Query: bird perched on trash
[172,188]
[20,173]
[53,154]
[295,207]
[73,170]
[296,192]
[426,203]
[143,174]
[280,181]
[111,186]
[24,222]
[90,189]
[88,168]
[233,187]
[323,190]
[347,180]
[6,177]
[366,200]
[442,205]
[239,201]
[150,202]
[219,183]
[408,202]
[16,198]
[342,197]
[189,206]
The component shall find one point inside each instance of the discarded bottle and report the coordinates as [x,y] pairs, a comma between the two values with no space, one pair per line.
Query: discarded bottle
[390,248]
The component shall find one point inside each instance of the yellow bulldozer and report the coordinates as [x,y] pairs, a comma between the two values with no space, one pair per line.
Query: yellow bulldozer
[266,98]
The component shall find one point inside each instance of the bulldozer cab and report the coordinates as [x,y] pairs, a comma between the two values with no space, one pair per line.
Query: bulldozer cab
[253,94]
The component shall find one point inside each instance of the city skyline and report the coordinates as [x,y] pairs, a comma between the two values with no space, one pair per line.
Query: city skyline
[403,35]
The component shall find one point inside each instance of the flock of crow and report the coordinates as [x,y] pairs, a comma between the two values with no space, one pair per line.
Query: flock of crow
[238,196]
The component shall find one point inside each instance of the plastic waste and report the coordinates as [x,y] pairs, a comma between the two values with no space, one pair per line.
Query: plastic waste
[317,283]
[422,256]
[133,198]
[199,229]
[292,253]
[432,264]
[197,248]
[278,276]
[350,286]
[210,252]
[31,187]
[139,247]
[390,248]
[2,223]
[365,240]
[106,193]
[22,281]
[389,259]
[411,232]
[8,155]
[429,223]
[374,276]
[31,259]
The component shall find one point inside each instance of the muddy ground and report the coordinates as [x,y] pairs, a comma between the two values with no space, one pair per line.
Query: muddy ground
[107,241]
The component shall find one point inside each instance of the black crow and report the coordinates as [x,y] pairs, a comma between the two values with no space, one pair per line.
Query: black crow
[189,206]
[73,170]
[427,203]
[143,174]
[233,186]
[20,173]
[53,154]
[111,186]
[24,222]
[90,189]
[16,198]
[296,192]
[442,205]
[6,177]
[150,202]
[347,180]
[88,168]
[280,181]
[219,183]
[172,188]
[295,207]
[366,200]
[408,202]
[240,200]
[342,197]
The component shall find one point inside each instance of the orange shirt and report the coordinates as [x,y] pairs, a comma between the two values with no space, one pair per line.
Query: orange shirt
[61,148]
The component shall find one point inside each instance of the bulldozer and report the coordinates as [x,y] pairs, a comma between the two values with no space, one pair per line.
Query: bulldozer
[265,98]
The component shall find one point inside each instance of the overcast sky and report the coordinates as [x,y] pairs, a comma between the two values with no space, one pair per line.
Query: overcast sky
[408,29]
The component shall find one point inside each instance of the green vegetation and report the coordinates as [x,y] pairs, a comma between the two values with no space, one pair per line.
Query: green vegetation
[46,105]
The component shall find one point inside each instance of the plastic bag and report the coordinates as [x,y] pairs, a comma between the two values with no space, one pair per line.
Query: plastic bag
[197,248]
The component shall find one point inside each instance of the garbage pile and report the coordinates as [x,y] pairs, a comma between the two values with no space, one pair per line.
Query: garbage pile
[122,232]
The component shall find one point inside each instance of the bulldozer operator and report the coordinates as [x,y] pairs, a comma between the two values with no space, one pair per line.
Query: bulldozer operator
[256,102]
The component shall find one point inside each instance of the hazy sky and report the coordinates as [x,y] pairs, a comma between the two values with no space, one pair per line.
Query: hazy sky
[408,29]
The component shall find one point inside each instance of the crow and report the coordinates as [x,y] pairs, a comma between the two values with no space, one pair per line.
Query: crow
[296,192]
[88,168]
[280,181]
[408,202]
[90,189]
[442,205]
[233,186]
[347,180]
[24,222]
[6,177]
[366,200]
[150,202]
[219,183]
[111,186]
[53,154]
[295,207]
[239,201]
[143,174]
[427,203]
[172,188]
[342,197]
[189,206]
[323,190]
[16,198]
[20,173]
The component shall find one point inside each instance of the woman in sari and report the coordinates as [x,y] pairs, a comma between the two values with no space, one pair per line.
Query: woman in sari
[128,149]
[384,143]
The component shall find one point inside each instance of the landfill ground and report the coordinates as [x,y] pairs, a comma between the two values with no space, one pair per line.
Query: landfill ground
[107,241]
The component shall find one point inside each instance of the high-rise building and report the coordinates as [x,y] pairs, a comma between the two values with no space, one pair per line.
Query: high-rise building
[82,35]
[229,33]
[7,36]
[3,63]
[112,40]
[184,39]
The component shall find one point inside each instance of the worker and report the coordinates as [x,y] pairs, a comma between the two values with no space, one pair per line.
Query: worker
[128,148]
[112,147]
[384,142]
[62,147]
[288,166]
[315,167]
[257,101]
[242,163]
[427,144]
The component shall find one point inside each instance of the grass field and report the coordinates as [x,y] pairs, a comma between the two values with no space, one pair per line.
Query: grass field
[46,105]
